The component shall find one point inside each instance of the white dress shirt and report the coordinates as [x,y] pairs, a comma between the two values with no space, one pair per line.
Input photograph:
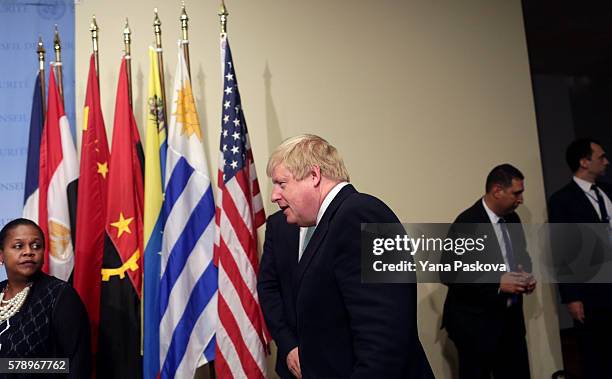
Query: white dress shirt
[592,196]
[304,230]
[498,232]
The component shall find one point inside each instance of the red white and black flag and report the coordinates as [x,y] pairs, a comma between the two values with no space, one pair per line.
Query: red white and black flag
[121,290]
[57,181]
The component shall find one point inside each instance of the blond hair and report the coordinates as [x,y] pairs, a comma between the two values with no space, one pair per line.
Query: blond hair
[300,153]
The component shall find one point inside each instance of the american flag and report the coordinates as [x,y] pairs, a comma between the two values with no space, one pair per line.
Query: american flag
[242,337]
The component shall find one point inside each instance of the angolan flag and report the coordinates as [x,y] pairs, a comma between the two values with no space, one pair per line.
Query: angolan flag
[121,289]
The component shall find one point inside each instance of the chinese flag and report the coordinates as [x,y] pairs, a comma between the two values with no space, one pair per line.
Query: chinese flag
[91,207]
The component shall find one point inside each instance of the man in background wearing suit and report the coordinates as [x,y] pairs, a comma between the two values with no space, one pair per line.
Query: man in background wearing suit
[278,265]
[585,200]
[485,320]
[327,324]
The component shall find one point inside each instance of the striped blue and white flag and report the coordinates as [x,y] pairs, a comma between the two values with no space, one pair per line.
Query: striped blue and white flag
[188,288]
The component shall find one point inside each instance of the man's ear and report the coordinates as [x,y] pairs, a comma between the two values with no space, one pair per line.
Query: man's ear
[315,175]
[496,191]
[584,162]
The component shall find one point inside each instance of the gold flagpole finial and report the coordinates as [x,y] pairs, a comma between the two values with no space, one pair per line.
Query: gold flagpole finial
[157,29]
[160,61]
[127,36]
[57,44]
[223,17]
[156,21]
[127,40]
[185,31]
[58,62]
[40,50]
[41,47]
[93,28]
[184,22]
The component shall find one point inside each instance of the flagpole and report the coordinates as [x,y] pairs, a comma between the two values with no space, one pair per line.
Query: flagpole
[160,60]
[160,63]
[223,13]
[58,63]
[223,18]
[127,40]
[246,198]
[93,28]
[41,72]
[185,42]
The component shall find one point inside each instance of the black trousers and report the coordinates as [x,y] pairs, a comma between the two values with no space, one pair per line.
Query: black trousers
[505,357]
[595,342]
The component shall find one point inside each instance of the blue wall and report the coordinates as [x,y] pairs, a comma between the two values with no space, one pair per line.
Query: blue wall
[21,23]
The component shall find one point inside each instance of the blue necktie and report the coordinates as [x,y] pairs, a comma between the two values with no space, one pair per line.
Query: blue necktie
[509,254]
[508,244]
[309,232]
[602,204]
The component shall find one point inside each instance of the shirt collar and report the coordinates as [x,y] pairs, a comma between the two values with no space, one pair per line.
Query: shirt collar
[585,185]
[492,216]
[328,199]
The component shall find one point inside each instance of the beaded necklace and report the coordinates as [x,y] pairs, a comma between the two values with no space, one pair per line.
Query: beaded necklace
[8,308]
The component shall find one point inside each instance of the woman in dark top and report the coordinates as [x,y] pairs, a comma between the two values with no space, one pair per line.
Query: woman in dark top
[40,315]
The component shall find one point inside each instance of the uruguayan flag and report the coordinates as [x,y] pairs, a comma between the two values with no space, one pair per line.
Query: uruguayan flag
[188,288]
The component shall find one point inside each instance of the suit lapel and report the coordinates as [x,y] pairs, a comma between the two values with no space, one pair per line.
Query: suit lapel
[606,188]
[291,236]
[319,234]
[583,203]
[483,218]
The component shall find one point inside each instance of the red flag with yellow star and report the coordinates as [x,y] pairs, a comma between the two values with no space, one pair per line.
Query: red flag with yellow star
[119,339]
[91,207]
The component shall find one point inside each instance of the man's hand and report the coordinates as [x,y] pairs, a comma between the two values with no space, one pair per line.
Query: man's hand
[529,280]
[293,362]
[576,310]
[513,282]
[531,284]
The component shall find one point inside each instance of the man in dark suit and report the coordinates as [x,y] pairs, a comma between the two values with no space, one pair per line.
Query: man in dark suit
[327,324]
[276,271]
[585,200]
[485,319]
